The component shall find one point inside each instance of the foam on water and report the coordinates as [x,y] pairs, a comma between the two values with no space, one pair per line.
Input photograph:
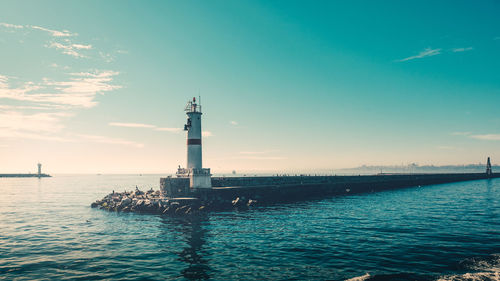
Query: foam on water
[359,278]
[482,269]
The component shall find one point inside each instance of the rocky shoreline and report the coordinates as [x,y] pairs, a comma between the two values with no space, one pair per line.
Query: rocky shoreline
[153,202]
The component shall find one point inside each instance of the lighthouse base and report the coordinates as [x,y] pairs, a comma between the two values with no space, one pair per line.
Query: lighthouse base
[200,178]
[200,181]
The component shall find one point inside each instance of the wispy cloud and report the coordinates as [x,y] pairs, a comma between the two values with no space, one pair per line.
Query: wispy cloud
[172,130]
[147,126]
[15,134]
[487,137]
[79,91]
[47,103]
[61,40]
[458,50]
[234,123]
[109,140]
[107,57]
[71,49]
[490,137]
[9,25]
[496,38]
[428,52]
[28,107]
[207,134]
[42,127]
[55,65]
[131,125]
[55,33]
[37,122]
[37,126]
[3,80]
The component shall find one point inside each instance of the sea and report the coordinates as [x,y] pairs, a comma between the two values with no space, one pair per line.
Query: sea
[439,232]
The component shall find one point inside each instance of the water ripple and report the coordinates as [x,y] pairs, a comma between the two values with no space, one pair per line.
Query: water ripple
[448,232]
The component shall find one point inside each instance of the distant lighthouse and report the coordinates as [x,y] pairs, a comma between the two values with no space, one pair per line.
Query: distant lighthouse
[39,170]
[488,167]
[198,176]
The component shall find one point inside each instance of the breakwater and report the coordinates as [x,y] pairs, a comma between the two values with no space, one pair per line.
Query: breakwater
[176,197]
[24,176]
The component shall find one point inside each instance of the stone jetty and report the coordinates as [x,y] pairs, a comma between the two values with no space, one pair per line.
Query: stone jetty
[178,198]
[152,202]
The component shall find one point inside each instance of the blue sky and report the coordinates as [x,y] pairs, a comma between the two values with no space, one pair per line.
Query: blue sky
[100,86]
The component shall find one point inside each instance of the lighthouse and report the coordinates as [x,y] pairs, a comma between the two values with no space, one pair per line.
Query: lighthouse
[488,167]
[39,169]
[199,177]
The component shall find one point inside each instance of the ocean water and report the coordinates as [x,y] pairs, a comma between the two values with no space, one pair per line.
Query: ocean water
[440,232]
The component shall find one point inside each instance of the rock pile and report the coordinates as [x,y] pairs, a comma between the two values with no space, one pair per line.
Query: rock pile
[152,202]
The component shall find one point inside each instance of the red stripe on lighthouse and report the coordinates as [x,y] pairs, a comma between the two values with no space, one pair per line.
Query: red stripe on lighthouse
[194,141]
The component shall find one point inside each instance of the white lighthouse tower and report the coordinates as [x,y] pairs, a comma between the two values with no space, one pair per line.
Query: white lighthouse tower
[198,176]
[39,169]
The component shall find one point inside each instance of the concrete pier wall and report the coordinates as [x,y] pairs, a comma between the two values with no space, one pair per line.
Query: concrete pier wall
[24,176]
[174,187]
[272,180]
[283,188]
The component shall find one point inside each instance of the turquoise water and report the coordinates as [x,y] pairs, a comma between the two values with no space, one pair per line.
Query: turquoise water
[49,232]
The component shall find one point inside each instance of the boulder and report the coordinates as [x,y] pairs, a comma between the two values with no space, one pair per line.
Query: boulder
[236,201]
[180,209]
[251,202]
[125,201]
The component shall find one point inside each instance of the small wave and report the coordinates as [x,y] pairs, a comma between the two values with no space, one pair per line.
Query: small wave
[477,276]
[485,269]
[359,278]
